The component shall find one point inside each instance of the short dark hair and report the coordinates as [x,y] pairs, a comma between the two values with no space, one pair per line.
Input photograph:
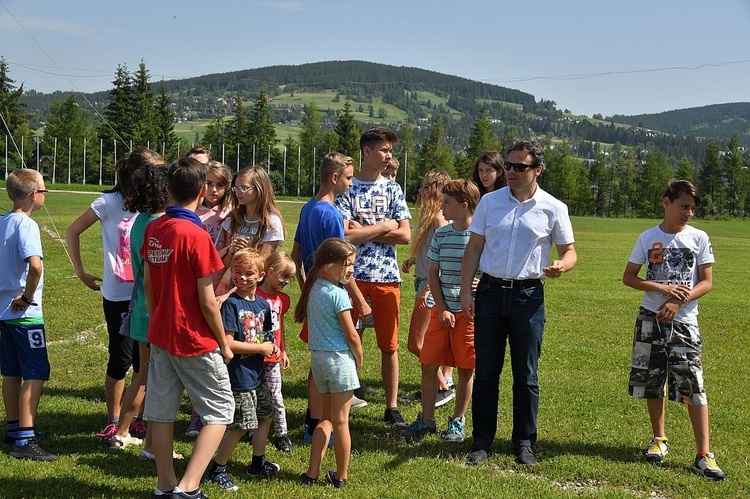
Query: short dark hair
[149,187]
[676,188]
[531,147]
[375,135]
[186,178]
[200,150]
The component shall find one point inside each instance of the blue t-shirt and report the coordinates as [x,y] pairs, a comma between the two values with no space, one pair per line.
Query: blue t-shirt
[323,307]
[318,221]
[19,240]
[250,321]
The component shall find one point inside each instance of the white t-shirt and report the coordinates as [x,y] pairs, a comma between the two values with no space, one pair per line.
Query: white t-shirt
[117,279]
[518,235]
[249,228]
[672,259]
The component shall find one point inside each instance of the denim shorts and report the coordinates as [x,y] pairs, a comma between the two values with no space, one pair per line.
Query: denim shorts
[206,379]
[334,372]
[419,285]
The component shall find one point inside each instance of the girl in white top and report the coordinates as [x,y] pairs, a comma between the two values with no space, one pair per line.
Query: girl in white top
[116,285]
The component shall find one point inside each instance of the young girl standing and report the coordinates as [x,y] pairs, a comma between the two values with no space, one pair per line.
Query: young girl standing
[280,269]
[488,172]
[256,220]
[217,204]
[431,218]
[116,285]
[336,355]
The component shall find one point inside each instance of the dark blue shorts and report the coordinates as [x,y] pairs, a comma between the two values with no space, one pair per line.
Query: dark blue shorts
[23,351]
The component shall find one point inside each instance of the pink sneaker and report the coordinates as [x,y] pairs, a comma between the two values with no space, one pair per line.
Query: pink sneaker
[194,428]
[138,428]
[108,432]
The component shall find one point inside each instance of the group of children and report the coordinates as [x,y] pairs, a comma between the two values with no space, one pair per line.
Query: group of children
[200,261]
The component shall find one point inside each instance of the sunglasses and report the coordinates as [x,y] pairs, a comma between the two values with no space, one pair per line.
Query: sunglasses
[43,191]
[519,167]
[242,188]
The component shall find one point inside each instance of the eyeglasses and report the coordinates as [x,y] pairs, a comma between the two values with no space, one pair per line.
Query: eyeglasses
[519,167]
[242,188]
[43,191]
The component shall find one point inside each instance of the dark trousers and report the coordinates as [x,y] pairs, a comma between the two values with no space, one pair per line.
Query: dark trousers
[515,316]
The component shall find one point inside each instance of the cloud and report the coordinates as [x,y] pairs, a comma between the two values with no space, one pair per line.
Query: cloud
[284,5]
[35,25]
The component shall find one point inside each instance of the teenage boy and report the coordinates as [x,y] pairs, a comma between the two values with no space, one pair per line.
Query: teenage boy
[318,220]
[449,339]
[378,207]
[189,349]
[248,325]
[667,341]
[23,347]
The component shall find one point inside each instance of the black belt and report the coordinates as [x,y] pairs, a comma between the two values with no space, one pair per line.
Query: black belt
[510,283]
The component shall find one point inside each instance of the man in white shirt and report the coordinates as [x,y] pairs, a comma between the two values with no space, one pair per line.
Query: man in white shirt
[512,231]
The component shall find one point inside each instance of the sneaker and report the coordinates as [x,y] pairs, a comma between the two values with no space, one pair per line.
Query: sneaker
[159,493]
[331,477]
[194,428]
[418,429]
[412,397]
[358,402]
[32,450]
[476,457]
[394,418]
[266,469]
[181,494]
[456,432]
[108,432]
[138,428]
[526,456]
[444,396]
[365,392]
[308,437]
[657,450]
[284,443]
[706,467]
[219,476]
[306,480]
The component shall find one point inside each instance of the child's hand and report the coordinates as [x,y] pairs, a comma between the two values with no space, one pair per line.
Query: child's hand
[668,310]
[447,319]
[268,349]
[364,309]
[285,363]
[679,292]
[422,297]
[91,281]
[408,263]
[18,304]
[227,353]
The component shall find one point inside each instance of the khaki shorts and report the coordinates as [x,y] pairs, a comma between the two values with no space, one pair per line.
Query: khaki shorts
[251,407]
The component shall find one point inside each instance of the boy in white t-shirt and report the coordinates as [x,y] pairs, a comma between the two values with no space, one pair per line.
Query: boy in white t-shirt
[667,341]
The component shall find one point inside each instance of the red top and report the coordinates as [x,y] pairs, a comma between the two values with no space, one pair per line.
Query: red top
[179,253]
[279,303]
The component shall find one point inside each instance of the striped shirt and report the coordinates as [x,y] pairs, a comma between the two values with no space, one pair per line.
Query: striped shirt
[447,250]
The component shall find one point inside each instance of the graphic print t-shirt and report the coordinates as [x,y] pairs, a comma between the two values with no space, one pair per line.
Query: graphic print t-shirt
[672,259]
[251,322]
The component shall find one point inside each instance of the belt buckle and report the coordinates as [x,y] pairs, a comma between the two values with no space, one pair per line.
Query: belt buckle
[507,283]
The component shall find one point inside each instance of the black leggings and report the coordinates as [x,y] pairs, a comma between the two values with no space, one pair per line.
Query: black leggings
[122,355]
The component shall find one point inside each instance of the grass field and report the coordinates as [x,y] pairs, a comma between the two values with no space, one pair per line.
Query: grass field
[591,433]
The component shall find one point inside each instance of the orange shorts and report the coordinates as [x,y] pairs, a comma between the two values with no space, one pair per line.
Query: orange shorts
[385,298]
[449,346]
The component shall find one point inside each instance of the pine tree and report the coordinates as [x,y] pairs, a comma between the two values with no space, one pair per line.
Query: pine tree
[119,120]
[710,179]
[261,130]
[481,139]
[238,133]
[145,128]
[348,133]
[435,152]
[14,122]
[166,140]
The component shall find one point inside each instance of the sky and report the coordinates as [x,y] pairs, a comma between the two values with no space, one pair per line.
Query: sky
[588,56]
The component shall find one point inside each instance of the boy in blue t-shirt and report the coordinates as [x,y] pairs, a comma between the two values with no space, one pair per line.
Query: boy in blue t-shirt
[23,349]
[248,325]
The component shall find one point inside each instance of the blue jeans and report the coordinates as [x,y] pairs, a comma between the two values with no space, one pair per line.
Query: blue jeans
[514,316]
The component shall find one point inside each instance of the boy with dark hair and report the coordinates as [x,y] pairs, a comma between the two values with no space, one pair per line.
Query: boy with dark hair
[249,329]
[23,347]
[378,207]
[449,339]
[189,349]
[667,343]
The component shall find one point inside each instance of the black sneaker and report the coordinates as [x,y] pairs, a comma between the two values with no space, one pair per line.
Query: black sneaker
[394,418]
[526,456]
[331,477]
[218,475]
[181,494]
[364,392]
[306,480]
[476,457]
[444,396]
[284,443]
[267,469]
[412,397]
[32,450]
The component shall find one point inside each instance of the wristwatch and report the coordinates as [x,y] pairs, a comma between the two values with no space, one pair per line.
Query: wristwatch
[28,301]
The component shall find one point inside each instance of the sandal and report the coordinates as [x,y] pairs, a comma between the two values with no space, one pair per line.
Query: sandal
[119,443]
[149,456]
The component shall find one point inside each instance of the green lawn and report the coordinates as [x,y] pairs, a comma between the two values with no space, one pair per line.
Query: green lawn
[591,433]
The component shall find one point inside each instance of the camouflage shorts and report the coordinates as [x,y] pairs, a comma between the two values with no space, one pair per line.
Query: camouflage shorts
[666,354]
[251,407]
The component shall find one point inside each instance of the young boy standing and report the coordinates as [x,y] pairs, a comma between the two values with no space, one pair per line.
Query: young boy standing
[382,218]
[248,325]
[667,341]
[189,349]
[23,347]
[449,339]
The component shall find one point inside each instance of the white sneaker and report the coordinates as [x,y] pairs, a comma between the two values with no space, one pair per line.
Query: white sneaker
[358,402]
[657,450]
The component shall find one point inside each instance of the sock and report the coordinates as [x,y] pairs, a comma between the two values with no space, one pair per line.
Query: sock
[11,429]
[23,435]
[258,461]
[115,421]
[449,381]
